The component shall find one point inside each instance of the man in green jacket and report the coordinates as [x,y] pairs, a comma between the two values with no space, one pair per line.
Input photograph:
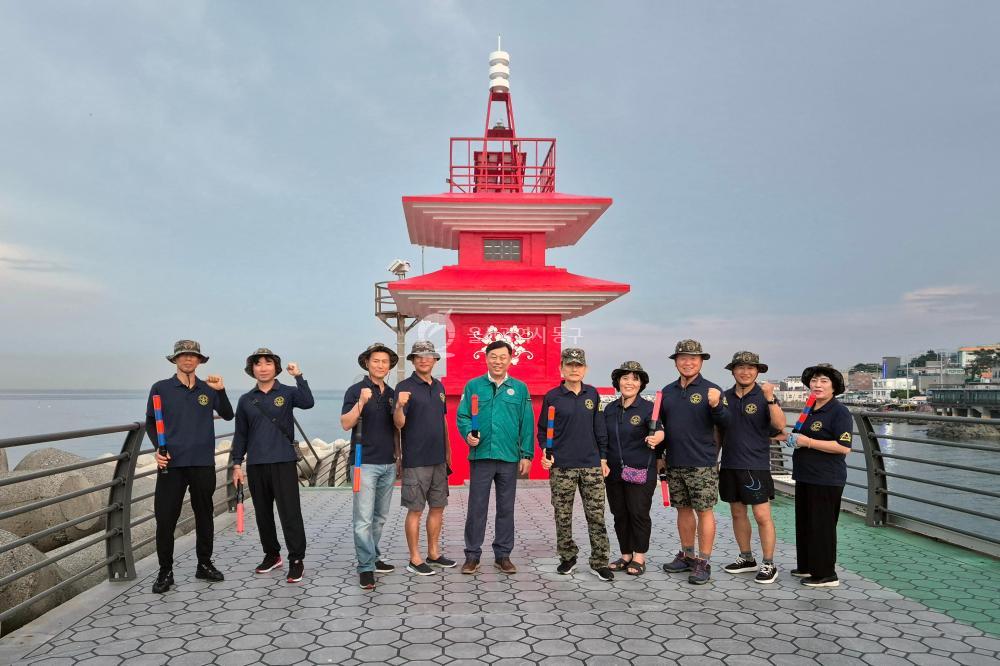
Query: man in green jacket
[499,450]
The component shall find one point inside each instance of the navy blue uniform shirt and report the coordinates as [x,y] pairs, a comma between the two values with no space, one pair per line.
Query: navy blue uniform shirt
[258,436]
[580,438]
[188,422]
[424,439]
[746,443]
[689,423]
[378,434]
[627,432]
[833,423]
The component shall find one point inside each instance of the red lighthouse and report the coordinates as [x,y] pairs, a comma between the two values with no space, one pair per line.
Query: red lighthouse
[501,213]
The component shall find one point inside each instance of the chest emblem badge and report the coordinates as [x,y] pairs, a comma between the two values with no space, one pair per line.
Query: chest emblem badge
[588,403]
[816,426]
[510,391]
[750,409]
[635,420]
[203,400]
[695,399]
[279,401]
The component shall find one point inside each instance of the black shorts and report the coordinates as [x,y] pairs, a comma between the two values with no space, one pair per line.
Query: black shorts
[747,486]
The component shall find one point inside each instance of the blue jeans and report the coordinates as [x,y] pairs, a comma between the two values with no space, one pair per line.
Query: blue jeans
[371,507]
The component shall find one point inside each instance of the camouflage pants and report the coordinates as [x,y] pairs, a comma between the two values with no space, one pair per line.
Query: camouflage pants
[564,483]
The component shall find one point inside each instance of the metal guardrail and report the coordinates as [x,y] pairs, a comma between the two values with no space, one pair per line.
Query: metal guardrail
[117,534]
[878,489]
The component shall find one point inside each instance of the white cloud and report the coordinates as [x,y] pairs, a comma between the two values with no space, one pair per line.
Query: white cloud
[23,268]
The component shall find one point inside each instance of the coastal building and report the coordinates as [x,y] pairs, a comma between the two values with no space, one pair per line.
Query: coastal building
[966,355]
[882,388]
[890,366]
[501,213]
[860,381]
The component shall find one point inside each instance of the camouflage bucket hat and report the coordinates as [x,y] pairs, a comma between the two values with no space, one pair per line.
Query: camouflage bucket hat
[422,348]
[263,352]
[574,355]
[627,367]
[187,347]
[689,347]
[827,370]
[377,347]
[746,358]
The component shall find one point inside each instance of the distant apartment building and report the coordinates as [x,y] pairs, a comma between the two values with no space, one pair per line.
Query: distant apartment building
[882,388]
[890,366]
[860,381]
[966,355]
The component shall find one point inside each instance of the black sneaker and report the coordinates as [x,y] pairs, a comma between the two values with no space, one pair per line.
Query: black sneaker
[741,565]
[768,573]
[163,581]
[799,573]
[566,567]
[295,569]
[441,561]
[420,569]
[603,573]
[701,573]
[382,567]
[367,580]
[826,581]
[208,572]
[270,563]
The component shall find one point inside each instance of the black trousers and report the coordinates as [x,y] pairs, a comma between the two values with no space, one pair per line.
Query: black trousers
[278,483]
[482,475]
[630,504]
[167,503]
[817,510]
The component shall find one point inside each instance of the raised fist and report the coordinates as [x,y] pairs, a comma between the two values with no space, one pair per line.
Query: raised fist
[215,382]
[768,390]
[293,369]
[366,395]
[402,398]
[714,395]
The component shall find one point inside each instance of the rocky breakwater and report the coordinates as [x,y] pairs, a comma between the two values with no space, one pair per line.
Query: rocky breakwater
[963,431]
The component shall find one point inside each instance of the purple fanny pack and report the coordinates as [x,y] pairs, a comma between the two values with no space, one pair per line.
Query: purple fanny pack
[634,475]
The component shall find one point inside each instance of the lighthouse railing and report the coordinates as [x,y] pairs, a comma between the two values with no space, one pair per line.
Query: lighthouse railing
[502,165]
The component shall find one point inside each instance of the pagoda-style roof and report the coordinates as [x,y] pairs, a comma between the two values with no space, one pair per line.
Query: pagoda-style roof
[515,290]
[436,220]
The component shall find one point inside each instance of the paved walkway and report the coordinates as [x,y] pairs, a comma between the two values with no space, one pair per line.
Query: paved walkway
[535,616]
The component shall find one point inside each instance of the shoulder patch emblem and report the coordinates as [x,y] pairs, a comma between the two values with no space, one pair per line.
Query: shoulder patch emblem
[816,426]
[203,400]
[588,403]
[750,409]
[846,438]
[279,401]
[725,401]
[695,399]
[510,391]
[441,395]
[391,401]
[635,420]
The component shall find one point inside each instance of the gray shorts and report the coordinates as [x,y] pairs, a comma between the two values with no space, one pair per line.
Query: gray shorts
[425,486]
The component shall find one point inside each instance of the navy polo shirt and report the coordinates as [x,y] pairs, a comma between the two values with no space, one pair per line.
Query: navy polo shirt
[378,440]
[833,423]
[580,438]
[258,436]
[188,420]
[424,439]
[627,431]
[746,443]
[689,423]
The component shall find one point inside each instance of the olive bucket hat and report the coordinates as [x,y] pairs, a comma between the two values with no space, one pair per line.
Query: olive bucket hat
[692,347]
[746,358]
[187,347]
[377,347]
[263,352]
[827,370]
[627,367]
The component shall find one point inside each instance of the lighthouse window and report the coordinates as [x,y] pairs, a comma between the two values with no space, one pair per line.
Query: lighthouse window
[502,249]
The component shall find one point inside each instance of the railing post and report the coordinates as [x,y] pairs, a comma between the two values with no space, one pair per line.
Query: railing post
[119,544]
[878,490]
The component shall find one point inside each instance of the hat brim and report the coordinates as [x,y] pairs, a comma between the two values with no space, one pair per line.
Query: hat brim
[761,367]
[173,357]
[433,355]
[703,355]
[839,386]
[618,373]
[366,354]
[253,359]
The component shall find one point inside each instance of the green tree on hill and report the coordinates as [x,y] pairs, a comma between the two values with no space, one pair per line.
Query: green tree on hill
[867,367]
[983,361]
[921,361]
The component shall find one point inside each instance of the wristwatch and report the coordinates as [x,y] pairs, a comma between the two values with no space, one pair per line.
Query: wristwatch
[772,401]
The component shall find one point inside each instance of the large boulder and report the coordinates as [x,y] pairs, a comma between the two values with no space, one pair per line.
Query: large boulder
[49,457]
[28,586]
[47,487]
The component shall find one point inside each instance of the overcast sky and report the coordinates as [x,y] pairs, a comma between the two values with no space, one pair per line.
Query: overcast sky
[812,181]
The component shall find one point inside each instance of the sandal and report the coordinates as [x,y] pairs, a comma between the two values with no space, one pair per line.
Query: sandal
[635,568]
[621,564]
